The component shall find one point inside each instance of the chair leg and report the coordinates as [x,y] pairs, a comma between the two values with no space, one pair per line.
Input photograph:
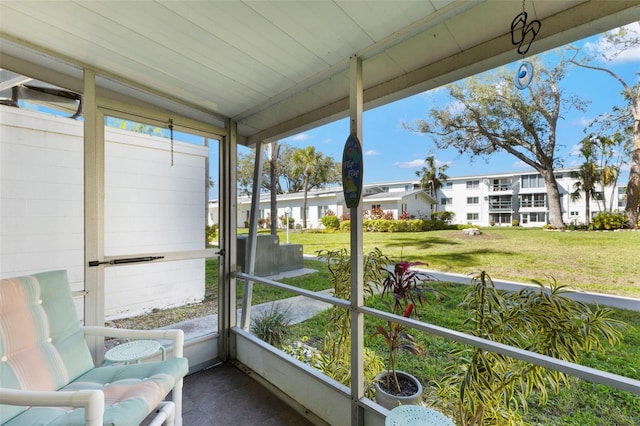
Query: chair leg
[165,414]
[177,400]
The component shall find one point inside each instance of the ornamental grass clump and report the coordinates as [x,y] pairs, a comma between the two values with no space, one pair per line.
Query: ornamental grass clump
[492,389]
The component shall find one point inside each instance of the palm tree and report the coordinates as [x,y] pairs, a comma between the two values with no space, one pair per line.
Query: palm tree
[306,160]
[587,177]
[274,151]
[432,177]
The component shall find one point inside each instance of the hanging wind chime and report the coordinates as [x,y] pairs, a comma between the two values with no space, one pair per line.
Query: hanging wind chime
[171,132]
[522,35]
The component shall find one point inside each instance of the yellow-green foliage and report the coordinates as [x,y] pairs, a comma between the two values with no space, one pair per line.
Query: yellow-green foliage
[492,389]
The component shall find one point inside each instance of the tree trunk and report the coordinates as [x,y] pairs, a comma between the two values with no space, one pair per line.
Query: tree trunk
[587,208]
[553,199]
[633,197]
[273,174]
[304,203]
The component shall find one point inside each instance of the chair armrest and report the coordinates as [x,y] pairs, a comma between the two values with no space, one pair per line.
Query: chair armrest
[91,400]
[176,335]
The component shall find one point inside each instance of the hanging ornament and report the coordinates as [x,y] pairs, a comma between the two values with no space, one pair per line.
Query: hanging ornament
[171,131]
[522,35]
[524,75]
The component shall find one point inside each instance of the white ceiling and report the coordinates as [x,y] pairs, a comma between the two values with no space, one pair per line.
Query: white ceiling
[279,67]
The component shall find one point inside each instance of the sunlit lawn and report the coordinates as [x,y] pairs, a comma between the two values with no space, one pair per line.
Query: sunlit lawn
[603,262]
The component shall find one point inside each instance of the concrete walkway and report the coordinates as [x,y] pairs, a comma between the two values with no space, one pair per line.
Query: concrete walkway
[301,308]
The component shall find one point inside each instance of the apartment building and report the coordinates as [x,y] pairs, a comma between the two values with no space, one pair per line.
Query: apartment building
[498,199]
[504,199]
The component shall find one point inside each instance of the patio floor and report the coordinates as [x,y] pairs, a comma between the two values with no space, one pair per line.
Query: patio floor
[224,395]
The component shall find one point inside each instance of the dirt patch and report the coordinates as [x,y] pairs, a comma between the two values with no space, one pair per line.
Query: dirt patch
[166,317]
[458,235]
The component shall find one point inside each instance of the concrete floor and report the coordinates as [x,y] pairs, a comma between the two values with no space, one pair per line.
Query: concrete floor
[225,396]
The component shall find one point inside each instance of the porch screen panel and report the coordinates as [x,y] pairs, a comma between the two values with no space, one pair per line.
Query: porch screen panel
[156,202]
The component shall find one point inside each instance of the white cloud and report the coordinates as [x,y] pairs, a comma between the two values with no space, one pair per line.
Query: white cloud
[583,121]
[409,164]
[520,165]
[414,164]
[372,152]
[575,150]
[298,138]
[603,48]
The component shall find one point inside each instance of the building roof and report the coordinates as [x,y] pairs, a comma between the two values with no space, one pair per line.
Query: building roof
[397,196]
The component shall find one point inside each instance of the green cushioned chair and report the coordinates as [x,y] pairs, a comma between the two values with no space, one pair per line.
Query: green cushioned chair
[47,374]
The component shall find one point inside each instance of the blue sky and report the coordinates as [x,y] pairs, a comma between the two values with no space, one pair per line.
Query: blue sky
[393,153]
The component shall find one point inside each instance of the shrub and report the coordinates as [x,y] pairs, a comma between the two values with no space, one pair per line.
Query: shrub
[345,225]
[271,326]
[330,221]
[490,388]
[605,221]
[515,222]
[376,213]
[443,216]
[212,232]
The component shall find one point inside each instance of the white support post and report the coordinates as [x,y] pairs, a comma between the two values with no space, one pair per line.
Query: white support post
[228,231]
[250,261]
[357,288]
[94,211]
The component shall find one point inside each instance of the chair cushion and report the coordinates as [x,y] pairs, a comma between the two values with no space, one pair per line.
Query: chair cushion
[42,345]
[131,392]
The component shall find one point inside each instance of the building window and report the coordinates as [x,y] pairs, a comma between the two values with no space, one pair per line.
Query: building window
[574,214]
[473,184]
[473,216]
[322,210]
[503,184]
[533,200]
[446,185]
[445,201]
[538,217]
[532,181]
[376,206]
[473,200]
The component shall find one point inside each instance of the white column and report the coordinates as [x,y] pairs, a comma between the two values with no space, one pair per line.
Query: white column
[94,211]
[252,239]
[227,316]
[357,292]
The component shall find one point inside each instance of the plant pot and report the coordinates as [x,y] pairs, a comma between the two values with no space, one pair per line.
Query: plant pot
[390,401]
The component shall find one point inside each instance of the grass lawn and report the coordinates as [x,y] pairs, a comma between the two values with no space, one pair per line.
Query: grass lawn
[582,404]
[601,262]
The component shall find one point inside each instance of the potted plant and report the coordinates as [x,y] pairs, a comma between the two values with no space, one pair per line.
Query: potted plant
[408,288]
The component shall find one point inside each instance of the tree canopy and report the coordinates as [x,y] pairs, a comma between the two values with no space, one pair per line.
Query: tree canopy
[622,120]
[291,173]
[489,114]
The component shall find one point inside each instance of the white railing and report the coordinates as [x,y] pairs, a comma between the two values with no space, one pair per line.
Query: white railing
[591,374]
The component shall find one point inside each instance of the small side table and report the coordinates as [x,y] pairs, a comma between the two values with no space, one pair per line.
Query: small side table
[134,351]
[416,415]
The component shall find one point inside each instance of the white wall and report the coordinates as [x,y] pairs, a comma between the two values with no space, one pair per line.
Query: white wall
[41,195]
[152,206]
[149,206]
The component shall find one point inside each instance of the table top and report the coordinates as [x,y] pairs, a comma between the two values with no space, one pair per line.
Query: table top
[132,351]
[416,415]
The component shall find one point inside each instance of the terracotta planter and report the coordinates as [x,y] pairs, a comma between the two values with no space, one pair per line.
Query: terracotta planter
[390,401]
